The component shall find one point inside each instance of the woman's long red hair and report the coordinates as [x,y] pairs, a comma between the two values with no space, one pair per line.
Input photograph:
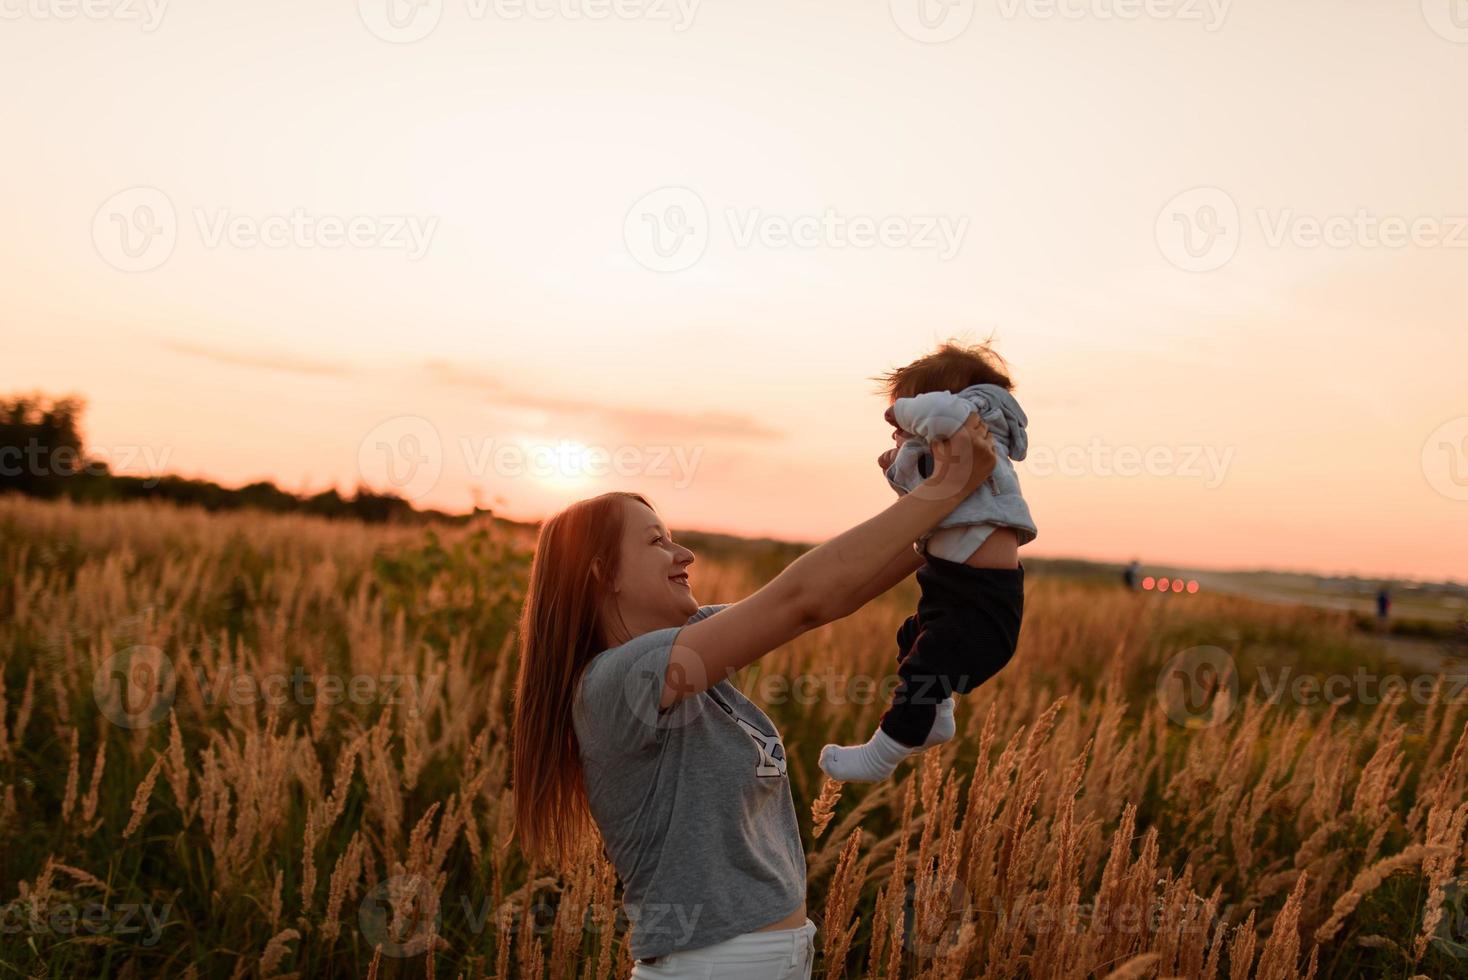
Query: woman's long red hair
[576,558]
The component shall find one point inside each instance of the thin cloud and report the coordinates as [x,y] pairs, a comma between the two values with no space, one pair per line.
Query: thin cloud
[262,361]
[643,421]
[453,376]
[650,420]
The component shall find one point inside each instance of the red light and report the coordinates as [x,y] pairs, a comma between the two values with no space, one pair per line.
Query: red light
[1148,582]
[1192,586]
[1162,585]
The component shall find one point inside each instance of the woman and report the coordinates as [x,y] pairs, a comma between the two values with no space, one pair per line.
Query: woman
[625,717]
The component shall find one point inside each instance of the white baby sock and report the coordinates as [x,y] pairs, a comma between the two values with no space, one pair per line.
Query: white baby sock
[875,760]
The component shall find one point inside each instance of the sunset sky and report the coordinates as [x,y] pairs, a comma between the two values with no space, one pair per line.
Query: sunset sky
[1224,247]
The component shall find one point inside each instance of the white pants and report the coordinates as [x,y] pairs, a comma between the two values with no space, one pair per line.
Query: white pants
[776,954]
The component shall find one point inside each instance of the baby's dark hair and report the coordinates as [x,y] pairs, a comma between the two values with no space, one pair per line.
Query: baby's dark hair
[951,368]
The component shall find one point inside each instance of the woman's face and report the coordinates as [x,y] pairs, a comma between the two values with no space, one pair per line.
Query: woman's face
[652,587]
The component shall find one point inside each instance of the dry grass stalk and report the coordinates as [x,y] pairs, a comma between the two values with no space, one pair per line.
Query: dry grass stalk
[1071,829]
[824,807]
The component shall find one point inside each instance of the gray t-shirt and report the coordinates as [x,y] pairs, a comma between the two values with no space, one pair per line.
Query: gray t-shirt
[693,803]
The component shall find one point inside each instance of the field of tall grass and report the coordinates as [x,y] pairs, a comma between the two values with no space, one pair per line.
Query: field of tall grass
[248,746]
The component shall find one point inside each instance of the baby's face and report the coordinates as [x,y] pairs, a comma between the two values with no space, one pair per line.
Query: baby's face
[898,436]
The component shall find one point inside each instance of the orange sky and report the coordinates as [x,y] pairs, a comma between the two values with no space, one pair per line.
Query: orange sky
[1222,245]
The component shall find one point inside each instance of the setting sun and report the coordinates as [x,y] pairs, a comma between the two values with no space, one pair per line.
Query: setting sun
[564,466]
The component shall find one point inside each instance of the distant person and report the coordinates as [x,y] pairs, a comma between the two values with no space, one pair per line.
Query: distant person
[1132,576]
[1383,605]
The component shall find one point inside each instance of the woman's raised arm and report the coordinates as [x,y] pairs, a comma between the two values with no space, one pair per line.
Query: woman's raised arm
[831,580]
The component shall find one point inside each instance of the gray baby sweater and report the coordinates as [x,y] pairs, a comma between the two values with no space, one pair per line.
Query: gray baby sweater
[936,415]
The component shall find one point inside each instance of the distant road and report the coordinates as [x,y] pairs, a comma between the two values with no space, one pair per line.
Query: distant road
[1412,652]
[1243,585]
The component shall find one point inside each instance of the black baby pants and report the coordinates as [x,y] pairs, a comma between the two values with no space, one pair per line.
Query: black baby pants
[964,632]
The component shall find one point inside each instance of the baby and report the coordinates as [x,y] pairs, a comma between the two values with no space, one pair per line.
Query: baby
[972,584]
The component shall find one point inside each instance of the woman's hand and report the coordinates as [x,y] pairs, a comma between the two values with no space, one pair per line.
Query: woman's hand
[961,464]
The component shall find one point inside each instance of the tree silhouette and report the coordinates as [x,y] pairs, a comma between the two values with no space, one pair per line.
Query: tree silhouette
[41,444]
[42,454]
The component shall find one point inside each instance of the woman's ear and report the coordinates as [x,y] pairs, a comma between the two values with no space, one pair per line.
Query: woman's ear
[597,569]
